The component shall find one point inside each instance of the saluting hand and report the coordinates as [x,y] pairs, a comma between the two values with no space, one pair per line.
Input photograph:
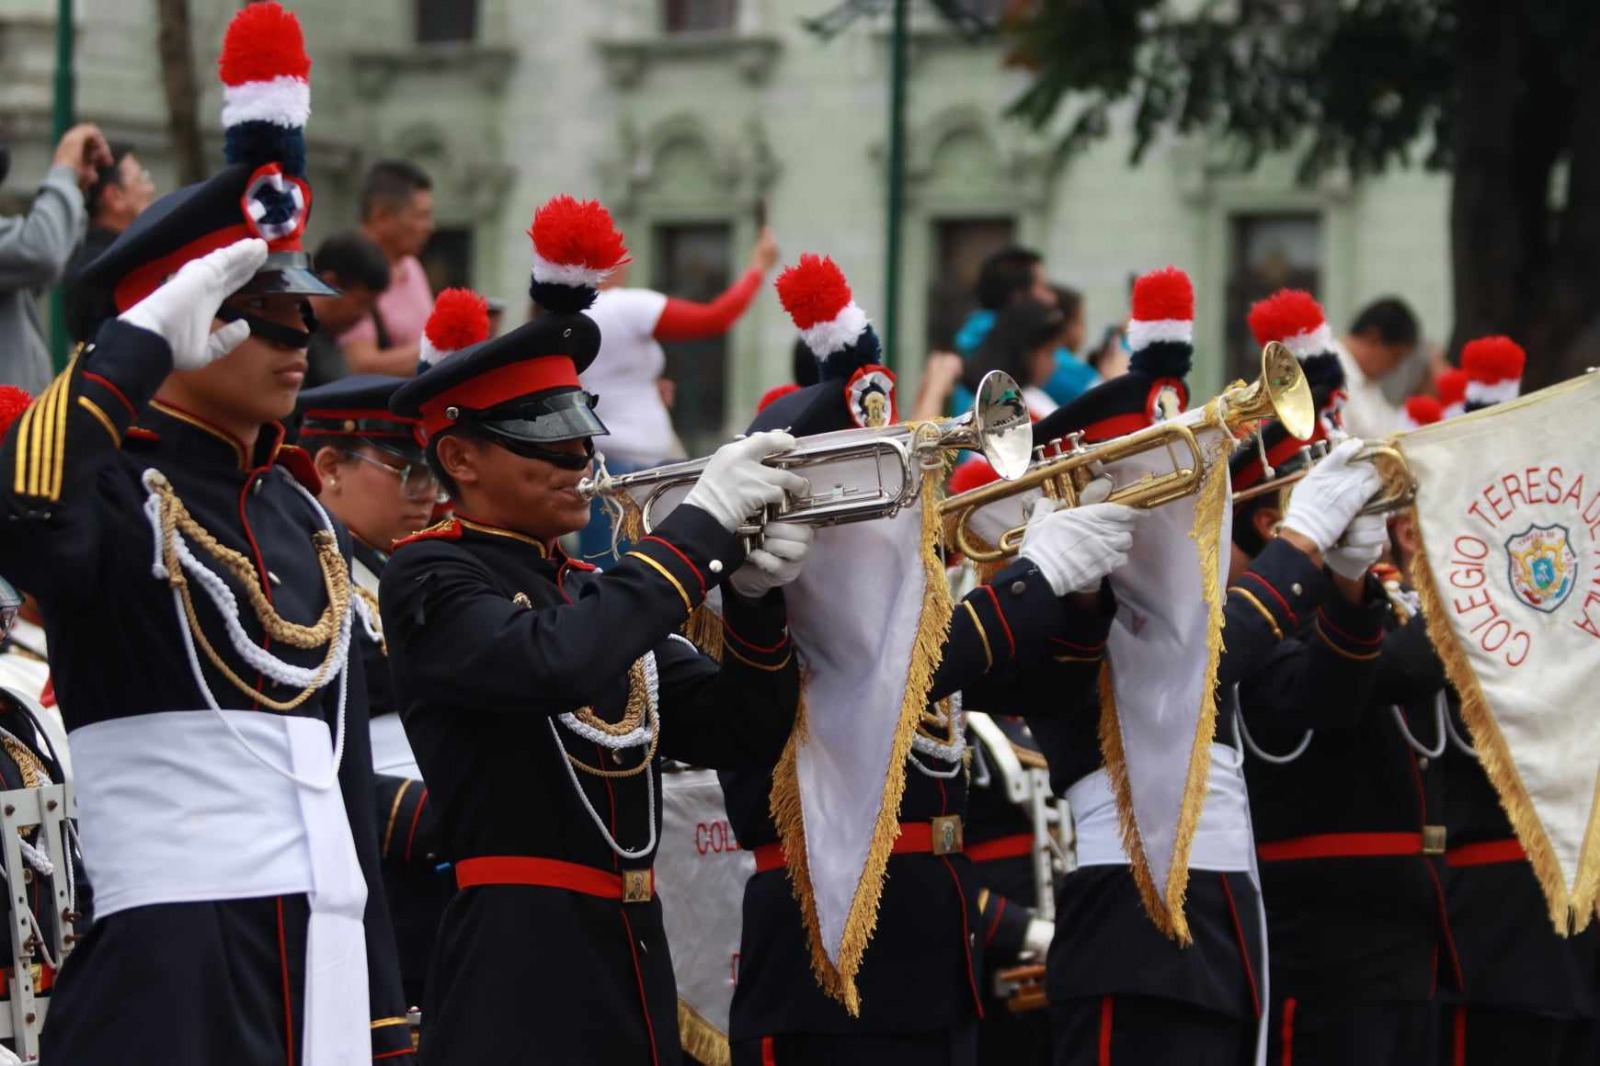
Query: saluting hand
[736,485]
[181,310]
[1075,548]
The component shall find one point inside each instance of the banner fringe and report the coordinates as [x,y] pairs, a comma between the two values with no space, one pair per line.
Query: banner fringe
[702,1041]
[933,627]
[703,629]
[1495,757]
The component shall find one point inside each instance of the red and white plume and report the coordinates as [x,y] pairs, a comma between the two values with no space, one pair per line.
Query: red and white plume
[1494,370]
[1453,391]
[1421,411]
[459,320]
[1163,309]
[266,74]
[817,296]
[1294,319]
[575,243]
[13,402]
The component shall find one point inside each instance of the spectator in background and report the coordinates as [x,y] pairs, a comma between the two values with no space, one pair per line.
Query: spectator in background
[357,267]
[1072,376]
[121,191]
[1022,343]
[625,375]
[1382,337]
[397,215]
[1110,357]
[34,249]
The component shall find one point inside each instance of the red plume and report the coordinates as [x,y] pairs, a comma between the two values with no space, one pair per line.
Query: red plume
[972,474]
[774,394]
[13,401]
[1286,313]
[460,318]
[578,239]
[1452,387]
[263,42]
[813,290]
[1163,295]
[1493,359]
[1424,410]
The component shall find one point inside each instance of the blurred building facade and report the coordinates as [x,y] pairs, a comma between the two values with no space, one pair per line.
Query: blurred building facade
[684,115]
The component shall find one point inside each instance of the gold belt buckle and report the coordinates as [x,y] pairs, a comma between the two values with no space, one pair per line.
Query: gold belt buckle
[637,886]
[1433,839]
[947,834]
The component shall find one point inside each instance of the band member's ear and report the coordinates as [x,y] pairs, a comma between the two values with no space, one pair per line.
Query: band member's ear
[327,462]
[460,458]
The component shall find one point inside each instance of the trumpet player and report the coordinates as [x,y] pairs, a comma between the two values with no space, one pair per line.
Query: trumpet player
[1032,635]
[1527,995]
[1121,991]
[540,695]
[1343,781]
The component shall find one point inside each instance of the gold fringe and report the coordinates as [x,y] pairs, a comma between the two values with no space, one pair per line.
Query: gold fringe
[703,628]
[1495,758]
[704,1042]
[1165,904]
[933,627]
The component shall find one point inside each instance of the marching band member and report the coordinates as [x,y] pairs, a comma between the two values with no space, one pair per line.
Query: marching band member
[1020,641]
[1527,994]
[376,481]
[540,695]
[1346,810]
[1119,989]
[196,598]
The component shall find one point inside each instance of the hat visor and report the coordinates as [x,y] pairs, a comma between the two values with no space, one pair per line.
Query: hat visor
[545,419]
[287,274]
[410,452]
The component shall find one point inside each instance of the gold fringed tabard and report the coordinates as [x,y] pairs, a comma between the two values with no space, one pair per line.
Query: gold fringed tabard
[933,627]
[702,1041]
[1164,901]
[1495,757]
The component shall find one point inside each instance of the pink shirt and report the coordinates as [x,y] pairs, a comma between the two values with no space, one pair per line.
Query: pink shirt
[405,306]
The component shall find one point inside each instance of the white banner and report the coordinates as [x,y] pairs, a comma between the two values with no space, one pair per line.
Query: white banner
[700,874]
[1508,503]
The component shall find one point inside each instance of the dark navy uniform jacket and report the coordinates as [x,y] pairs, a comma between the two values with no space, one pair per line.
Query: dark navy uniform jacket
[1019,647]
[1511,957]
[1355,908]
[1105,943]
[491,638]
[194,982]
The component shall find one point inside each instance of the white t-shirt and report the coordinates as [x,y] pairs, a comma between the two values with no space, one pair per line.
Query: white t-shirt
[1368,414]
[624,377]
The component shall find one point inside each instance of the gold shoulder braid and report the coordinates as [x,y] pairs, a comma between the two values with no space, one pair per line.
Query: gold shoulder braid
[637,713]
[28,764]
[175,518]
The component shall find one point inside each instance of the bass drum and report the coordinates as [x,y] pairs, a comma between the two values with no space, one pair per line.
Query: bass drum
[700,875]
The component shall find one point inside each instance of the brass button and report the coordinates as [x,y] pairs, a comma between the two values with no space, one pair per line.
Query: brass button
[1296,589]
[715,566]
[1018,588]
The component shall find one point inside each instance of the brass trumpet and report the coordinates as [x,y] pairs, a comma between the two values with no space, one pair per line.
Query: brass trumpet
[1399,484]
[855,475]
[1279,392]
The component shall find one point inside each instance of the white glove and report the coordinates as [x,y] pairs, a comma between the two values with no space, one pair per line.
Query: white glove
[783,551]
[1361,546]
[1036,941]
[735,484]
[1076,547]
[1325,502]
[181,310]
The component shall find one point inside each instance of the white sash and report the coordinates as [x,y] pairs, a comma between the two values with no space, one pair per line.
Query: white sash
[391,748]
[173,808]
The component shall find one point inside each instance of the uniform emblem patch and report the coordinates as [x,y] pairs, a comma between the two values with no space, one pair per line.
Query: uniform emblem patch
[869,394]
[1543,567]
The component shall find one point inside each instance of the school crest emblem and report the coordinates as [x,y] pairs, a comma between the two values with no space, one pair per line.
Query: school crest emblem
[1543,567]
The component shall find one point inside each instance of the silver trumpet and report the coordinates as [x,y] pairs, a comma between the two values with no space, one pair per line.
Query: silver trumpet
[854,475]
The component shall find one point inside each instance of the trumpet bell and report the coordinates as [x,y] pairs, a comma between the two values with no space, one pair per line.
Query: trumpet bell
[1000,421]
[1283,384]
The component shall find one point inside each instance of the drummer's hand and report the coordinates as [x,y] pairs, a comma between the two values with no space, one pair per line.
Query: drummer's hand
[736,485]
[182,310]
[778,561]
